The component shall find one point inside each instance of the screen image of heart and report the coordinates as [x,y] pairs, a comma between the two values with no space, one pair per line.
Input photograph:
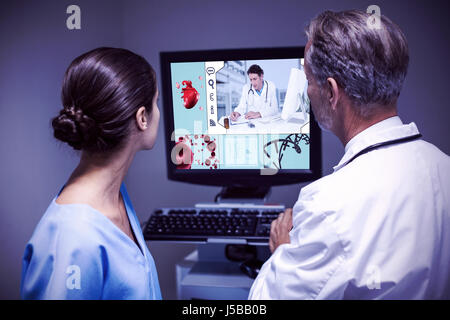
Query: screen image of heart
[190,94]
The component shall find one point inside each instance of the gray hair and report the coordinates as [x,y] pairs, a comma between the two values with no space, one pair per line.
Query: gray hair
[369,64]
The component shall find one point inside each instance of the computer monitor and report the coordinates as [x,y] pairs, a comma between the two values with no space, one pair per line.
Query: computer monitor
[204,146]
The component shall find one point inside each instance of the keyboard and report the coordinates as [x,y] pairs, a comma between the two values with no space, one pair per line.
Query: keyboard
[213,224]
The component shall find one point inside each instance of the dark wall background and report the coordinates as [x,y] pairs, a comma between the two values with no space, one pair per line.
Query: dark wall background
[36,48]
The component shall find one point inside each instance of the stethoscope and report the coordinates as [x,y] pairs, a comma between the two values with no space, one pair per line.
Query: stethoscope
[383,144]
[252,91]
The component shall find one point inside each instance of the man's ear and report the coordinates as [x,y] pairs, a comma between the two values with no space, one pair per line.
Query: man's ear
[333,93]
[141,118]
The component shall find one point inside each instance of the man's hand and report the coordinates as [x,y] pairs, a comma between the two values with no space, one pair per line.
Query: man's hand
[252,115]
[279,230]
[234,115]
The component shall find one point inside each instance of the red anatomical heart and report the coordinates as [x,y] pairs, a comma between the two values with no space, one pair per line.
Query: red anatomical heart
[190,95]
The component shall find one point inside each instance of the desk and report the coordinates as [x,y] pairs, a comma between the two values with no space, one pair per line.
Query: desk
[271,125]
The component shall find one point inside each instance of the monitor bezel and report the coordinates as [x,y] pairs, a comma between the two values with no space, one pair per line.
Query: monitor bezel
[231,177]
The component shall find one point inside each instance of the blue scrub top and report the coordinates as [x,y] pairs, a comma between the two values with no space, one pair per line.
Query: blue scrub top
[76,252]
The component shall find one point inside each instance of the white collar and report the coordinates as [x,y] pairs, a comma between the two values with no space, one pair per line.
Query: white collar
[385,130]
[265,86]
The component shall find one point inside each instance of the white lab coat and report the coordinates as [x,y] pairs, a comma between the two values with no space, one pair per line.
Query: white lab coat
[252,101]
[377,228]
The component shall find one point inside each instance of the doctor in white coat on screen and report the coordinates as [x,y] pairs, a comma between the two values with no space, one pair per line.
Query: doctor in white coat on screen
[378,227]
[258,98]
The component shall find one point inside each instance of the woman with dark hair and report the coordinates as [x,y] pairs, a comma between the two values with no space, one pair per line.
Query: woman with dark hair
[88,244]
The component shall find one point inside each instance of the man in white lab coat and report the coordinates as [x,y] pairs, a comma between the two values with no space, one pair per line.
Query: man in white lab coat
[258,98]
[379,226]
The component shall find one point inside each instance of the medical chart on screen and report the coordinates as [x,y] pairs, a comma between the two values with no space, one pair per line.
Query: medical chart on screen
[199,90]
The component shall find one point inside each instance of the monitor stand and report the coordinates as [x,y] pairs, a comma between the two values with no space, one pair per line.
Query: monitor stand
[242,197]
[208,274]
[243,194]
[211,275]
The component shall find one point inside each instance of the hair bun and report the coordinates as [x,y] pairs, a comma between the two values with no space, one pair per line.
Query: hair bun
[74,127]
[101,93]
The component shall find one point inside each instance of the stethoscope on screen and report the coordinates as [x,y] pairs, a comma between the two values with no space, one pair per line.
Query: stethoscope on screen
[253,91]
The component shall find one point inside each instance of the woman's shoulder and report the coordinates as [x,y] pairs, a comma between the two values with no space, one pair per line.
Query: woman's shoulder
[64,239]
[76,224]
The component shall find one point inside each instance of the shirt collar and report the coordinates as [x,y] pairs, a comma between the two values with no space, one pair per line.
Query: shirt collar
[260,91]
[385,130]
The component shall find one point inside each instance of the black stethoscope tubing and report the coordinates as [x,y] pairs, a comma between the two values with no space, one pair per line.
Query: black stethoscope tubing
[383,144]
[267,89]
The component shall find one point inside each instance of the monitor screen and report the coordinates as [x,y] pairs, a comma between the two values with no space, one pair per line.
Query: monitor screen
[239,117]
